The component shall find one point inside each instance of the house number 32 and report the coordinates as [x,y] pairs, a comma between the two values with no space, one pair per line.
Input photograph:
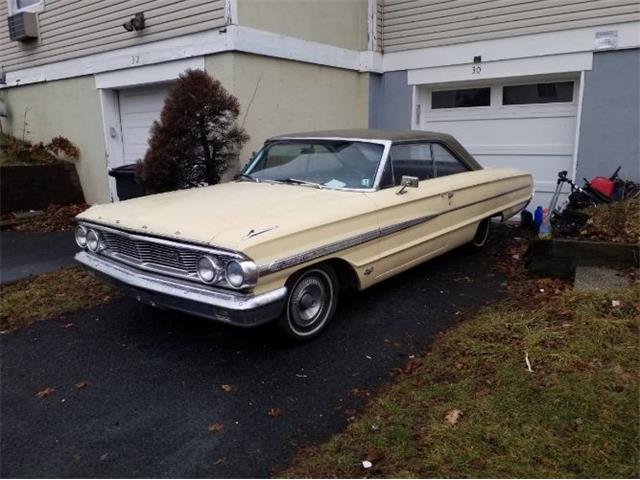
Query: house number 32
[476,69]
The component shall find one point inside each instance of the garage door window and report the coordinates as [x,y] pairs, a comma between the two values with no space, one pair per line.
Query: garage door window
[556,92]
[461,98]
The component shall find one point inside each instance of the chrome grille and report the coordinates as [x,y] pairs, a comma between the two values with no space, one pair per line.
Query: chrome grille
[182,259]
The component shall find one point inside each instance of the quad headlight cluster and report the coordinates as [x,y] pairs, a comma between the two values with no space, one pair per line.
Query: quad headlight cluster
[212,269]
[238,274]
[89,238]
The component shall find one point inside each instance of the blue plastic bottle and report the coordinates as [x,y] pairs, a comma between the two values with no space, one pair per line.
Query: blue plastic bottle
[538,216]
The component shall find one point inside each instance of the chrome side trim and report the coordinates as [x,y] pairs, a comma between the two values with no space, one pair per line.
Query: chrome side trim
[175,288]
[361,238]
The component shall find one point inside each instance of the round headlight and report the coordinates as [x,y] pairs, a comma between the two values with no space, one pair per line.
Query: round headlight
[209,269]
[93,241]
[241,274]
[81,236]
[235,273]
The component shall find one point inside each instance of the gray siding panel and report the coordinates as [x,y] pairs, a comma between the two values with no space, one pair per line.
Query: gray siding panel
[411,24]
[390,98]
[70,29]
[610,116]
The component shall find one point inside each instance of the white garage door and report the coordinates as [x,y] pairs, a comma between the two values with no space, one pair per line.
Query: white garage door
[525,124]
[139,107]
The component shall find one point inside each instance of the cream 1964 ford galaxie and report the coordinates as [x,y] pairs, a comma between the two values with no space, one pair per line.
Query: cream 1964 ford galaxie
[311,214]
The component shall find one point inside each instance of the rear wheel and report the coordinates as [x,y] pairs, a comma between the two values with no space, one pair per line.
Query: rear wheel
[311,302]
[482,235]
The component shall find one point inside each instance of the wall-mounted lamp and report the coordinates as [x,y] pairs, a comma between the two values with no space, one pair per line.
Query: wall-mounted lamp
[3,76]
[136,23]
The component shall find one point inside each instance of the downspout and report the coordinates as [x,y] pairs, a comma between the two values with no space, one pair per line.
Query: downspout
[576,144]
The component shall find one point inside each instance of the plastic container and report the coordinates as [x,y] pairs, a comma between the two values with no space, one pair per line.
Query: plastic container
[545,228]
[603,185]
[537,216]
[126,184]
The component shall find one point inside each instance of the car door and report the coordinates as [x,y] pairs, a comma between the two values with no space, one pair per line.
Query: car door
[409,218]
[459,217]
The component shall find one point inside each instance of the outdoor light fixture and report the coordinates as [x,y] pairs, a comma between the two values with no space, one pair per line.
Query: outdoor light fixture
[136,23]
[3,76]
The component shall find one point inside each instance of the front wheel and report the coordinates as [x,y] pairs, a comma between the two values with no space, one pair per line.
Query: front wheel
[311,302]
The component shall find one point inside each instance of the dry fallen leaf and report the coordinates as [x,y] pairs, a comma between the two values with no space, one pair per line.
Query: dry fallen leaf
[82,385]
[228,388]
[275,412]
[219,461]
[453,416]
[45,392]
[215,427]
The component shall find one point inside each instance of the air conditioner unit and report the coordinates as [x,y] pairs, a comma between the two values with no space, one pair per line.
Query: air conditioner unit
[23,26]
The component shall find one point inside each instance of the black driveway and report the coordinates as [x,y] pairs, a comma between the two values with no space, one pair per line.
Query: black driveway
[24,254]
[154,381]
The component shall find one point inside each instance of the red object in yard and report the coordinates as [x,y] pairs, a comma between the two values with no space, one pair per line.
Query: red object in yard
[603,185]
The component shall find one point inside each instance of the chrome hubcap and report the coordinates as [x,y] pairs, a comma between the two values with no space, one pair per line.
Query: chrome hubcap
[308,302]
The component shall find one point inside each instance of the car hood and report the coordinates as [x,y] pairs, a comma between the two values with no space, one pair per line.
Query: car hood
[234,215]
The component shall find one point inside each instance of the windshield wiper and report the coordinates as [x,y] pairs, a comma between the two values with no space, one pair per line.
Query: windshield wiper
[245,176]
[299,182]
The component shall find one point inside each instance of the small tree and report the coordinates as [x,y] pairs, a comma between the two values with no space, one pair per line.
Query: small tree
[196,138]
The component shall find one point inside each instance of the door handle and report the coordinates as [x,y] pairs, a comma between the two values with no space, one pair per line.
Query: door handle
[448,196]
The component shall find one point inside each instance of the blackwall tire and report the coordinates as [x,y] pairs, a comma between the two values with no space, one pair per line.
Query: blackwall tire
[482,235]
[312,300]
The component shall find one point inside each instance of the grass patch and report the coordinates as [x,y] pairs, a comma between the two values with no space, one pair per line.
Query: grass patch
[576,415]
[51,295]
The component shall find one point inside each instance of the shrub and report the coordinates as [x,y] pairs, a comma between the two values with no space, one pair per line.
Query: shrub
[196,138]
[14,151]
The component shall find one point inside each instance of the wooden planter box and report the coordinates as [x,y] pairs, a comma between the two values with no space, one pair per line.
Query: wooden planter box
[559,258]
[35,187]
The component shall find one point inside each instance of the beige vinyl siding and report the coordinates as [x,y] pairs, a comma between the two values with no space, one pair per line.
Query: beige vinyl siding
[411,24]
[379,24]
[72,28]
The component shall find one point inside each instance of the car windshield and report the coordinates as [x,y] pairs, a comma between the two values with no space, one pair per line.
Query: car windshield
[319,163]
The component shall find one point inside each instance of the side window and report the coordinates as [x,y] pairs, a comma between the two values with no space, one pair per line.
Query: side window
[412,159]
[444,163]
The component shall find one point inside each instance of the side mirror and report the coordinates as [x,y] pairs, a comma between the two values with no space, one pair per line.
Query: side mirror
[408,182]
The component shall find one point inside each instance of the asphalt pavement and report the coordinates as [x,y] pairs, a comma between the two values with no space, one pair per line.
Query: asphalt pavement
[25,254]
[135,390]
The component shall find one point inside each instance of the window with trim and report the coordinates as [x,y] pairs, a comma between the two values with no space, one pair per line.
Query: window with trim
[461,98]
[555,92]
[16,6]
[444,162]
[421,160]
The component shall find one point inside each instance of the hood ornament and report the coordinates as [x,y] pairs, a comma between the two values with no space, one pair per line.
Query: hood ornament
[253,232]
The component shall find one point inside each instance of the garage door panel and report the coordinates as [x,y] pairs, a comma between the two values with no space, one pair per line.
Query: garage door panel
[523,131]
[139,108]
[538,138]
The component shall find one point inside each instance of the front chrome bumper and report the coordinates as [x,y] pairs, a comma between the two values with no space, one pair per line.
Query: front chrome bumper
[236,308]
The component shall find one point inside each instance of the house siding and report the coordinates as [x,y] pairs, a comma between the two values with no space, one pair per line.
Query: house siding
[412,24]
[342,23]
[70,108]
[610,116]
[71,29]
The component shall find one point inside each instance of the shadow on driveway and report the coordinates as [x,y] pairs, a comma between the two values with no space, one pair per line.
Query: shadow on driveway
[155,380]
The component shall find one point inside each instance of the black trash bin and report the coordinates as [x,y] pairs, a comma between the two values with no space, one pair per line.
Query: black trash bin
[126,183]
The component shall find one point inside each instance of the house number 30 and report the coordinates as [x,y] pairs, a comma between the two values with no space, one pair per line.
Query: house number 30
[476,69]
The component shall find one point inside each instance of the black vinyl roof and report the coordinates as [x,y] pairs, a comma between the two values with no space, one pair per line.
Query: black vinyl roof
[392,135]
